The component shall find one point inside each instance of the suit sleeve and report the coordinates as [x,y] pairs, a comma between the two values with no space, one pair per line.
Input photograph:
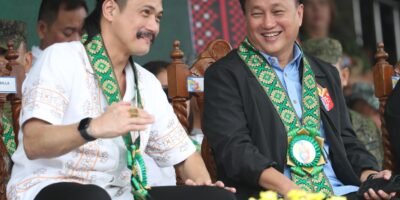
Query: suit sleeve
[392,117]
[360,158]
[225,126]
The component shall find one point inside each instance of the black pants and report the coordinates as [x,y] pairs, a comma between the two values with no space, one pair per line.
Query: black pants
[70,191]
[353,196]
[75,191]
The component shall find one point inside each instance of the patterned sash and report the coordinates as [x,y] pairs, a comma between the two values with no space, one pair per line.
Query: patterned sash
[103,68]
[8,135]
[304,154]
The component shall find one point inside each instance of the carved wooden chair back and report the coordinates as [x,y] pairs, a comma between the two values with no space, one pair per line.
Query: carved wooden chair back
[15,102]
[178,72]
[383,73]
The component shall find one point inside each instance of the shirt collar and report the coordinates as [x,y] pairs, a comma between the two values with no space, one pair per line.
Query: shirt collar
[296,60]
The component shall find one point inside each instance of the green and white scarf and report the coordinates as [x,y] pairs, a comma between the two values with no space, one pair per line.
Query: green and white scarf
[103,69]
[305,150]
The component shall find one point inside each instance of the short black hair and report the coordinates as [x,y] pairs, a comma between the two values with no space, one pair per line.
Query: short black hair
[155,67]
[242,3]
[49,9]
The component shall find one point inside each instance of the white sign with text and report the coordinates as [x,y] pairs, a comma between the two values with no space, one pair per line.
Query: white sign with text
[8,84]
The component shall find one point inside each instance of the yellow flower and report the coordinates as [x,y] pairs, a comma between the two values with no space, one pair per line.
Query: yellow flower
[336,198]
[269,195]
[315,196]
[297,195]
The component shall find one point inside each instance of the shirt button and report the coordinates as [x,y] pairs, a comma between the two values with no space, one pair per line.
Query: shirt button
[285,74]
[295,102]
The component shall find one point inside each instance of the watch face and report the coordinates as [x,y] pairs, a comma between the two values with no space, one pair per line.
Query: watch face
[84,124]
[82,128]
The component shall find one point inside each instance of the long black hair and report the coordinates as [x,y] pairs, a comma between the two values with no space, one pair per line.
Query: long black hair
[92,22]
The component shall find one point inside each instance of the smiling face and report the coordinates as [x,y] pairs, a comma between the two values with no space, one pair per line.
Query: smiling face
[136,25]
[273,25]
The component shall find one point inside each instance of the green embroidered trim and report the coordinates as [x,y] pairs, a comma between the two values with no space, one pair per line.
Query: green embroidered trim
[317,183]
[8,135]
[302,175]
[103,69]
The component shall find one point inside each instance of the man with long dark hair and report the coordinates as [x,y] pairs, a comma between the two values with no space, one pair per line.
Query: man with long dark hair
[89,111]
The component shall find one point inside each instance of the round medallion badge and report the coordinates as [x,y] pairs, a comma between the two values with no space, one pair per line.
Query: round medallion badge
[304,151]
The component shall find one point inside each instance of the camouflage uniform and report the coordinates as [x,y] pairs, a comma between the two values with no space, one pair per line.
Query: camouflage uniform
[326,49]
[365,92]
[369,135]
[12,30]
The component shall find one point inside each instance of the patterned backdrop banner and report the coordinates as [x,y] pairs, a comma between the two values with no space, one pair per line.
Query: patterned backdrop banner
[216,19]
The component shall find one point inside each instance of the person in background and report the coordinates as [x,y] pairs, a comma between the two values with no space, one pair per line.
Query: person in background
[362,100]
[318,18]
[15,31]
[59,21]
[330,51]
[159,69]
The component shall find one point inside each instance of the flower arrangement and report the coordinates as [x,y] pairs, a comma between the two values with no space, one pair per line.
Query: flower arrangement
[296,195]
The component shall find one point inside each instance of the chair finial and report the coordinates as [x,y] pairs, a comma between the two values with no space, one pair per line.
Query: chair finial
[381,55]
[177,53]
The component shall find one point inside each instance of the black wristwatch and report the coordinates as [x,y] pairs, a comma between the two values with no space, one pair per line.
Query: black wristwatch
[83,129]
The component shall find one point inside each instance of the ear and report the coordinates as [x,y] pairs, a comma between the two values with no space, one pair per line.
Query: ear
[28,61]
[41,29]
[346,76]
[110,8]
[299,13]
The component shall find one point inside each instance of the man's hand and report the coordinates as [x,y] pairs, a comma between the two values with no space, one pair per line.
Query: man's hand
[194,172]
[272,179]
[371,194]
[219,184]
[118,120]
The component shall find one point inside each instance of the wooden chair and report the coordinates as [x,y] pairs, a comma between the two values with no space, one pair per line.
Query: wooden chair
[383,73]
[15,101]
[178,72]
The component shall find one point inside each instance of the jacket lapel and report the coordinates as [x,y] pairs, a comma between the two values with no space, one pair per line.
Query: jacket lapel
[321,78]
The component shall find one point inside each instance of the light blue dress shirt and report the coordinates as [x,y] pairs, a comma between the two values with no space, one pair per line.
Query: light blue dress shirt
[290,79]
